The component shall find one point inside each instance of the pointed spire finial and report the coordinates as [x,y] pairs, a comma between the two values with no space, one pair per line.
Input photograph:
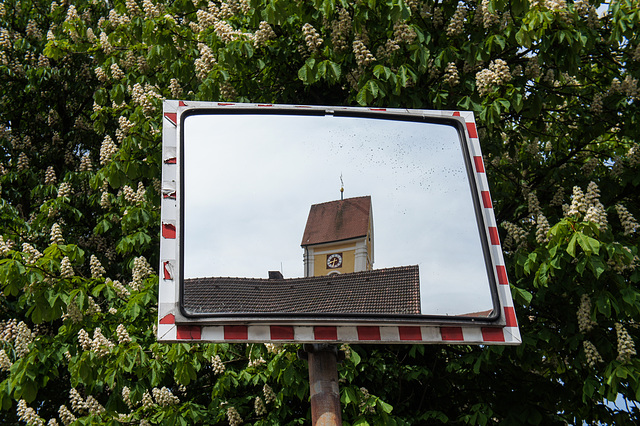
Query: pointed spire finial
[341,188]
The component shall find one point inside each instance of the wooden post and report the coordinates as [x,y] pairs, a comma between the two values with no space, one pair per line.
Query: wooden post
[323,382]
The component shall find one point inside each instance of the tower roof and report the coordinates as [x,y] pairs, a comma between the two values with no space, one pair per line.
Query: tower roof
[382,291]
[337,220]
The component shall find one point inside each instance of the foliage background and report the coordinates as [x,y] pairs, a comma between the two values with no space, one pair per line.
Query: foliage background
[553,83]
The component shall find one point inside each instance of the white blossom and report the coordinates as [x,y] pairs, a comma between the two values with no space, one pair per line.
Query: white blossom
[629,223]
[533,204]
[66,270]
[23,161]
[259,407]
[72,14]
[363,55]
[147,401]
[9,330]
[488,18]
[73,312]
[269,394]
[175,89]
[346,349]
[106,45]
[542,229]
[50,176]
[28,414]
[365,395]
[141,270]
[91,36]
[78,403]
[32,253]
[120,290]
[64,190]
[23,339]
[84,339]
[311,37]
[234,417]
[123,335]
[595,210]
[116,72]
[626,346]
[225,31]
[107,150]
[205,63]
[496,75]
[126,392]
[85,163]
[164,397]
[94,406]
[150,10]
[256,362]
[56,234]
[403,32]
[264,33]
[593,357]
[217,365]
[92,307]
[5,362]
[5,246]
[578,203]
[514,233]
[97,270]
[340,29]
[273,348]
[66,416]
[105,200]
[451,74]
[455,27]
[585,323]
[100,345]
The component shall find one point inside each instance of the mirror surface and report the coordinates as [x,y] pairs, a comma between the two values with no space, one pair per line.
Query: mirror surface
[249,181]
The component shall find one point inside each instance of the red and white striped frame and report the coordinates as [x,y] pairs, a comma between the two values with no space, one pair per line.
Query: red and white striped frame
[170,330]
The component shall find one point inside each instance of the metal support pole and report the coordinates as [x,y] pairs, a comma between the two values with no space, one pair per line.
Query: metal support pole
[323,382]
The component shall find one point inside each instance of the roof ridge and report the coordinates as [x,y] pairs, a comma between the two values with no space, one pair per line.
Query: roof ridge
[346,199]
[291,279]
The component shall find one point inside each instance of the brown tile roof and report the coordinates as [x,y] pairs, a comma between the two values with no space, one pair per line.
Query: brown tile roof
[337,220]
[478,314]
[381,291]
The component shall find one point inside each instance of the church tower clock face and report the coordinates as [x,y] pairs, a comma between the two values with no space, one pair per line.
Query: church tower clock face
[334,260]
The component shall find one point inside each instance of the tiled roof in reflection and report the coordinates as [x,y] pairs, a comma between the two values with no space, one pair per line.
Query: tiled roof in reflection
[381,291]
[337,220]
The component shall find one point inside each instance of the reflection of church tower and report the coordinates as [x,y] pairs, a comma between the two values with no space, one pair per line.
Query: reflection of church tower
[338,237]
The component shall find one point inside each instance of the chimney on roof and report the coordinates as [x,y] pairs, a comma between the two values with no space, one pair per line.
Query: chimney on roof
[275,275]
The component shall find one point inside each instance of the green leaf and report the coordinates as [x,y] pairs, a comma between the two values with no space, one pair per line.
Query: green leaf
[597,266]
[308,74]
[382,73]
[588,244]
[387,408]
[333,72]
[571,247]
[530,264]
[185,373]
[355,358]
[288,376]
[629,295]
[582,263]
[348,396]
[604,306]
[521,295]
